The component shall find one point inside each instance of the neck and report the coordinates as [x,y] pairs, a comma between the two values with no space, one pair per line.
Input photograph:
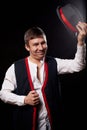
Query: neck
[36,61]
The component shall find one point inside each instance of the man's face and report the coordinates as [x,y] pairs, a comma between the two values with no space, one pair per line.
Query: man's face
[37,48]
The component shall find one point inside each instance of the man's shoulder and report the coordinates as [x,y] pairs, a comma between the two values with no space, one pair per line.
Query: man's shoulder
[19,61]
[20,64]
[49,58]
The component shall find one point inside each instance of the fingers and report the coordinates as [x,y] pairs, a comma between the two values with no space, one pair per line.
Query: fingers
[82,28]
[82,32]
[32,98]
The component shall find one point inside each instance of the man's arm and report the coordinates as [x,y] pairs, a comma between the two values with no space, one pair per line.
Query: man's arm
[79,62]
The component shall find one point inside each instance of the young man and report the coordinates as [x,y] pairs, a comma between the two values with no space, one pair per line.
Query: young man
[31,84]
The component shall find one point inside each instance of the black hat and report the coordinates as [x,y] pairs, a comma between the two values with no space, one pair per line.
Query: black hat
[69,16]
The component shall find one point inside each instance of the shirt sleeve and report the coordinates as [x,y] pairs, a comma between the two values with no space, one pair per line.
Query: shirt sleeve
[73,65]
[9,85]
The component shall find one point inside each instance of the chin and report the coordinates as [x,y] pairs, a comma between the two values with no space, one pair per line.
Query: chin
[40,58]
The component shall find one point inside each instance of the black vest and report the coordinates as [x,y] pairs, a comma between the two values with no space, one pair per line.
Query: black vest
[25,117]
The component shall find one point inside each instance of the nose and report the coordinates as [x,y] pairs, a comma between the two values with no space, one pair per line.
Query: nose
[40,47]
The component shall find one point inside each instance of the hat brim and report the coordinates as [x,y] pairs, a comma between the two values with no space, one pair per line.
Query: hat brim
[69,16]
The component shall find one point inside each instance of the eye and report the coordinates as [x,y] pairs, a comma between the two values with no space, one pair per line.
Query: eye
[42,43]
[35,44]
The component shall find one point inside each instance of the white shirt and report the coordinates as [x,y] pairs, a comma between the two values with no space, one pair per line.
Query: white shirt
[64,66]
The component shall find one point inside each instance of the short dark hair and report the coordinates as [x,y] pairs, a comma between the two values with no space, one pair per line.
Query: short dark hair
[32,33]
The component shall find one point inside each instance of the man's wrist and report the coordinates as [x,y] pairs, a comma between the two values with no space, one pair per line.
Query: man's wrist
[81,43]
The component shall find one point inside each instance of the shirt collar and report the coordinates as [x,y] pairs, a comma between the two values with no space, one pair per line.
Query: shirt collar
[42,62]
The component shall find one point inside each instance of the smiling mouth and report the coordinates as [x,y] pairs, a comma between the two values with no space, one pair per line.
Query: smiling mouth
[41,53]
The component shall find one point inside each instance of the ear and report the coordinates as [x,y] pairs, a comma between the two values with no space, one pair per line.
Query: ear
[27,47]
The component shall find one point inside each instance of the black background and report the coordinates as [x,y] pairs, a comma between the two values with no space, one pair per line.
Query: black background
[15,19]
